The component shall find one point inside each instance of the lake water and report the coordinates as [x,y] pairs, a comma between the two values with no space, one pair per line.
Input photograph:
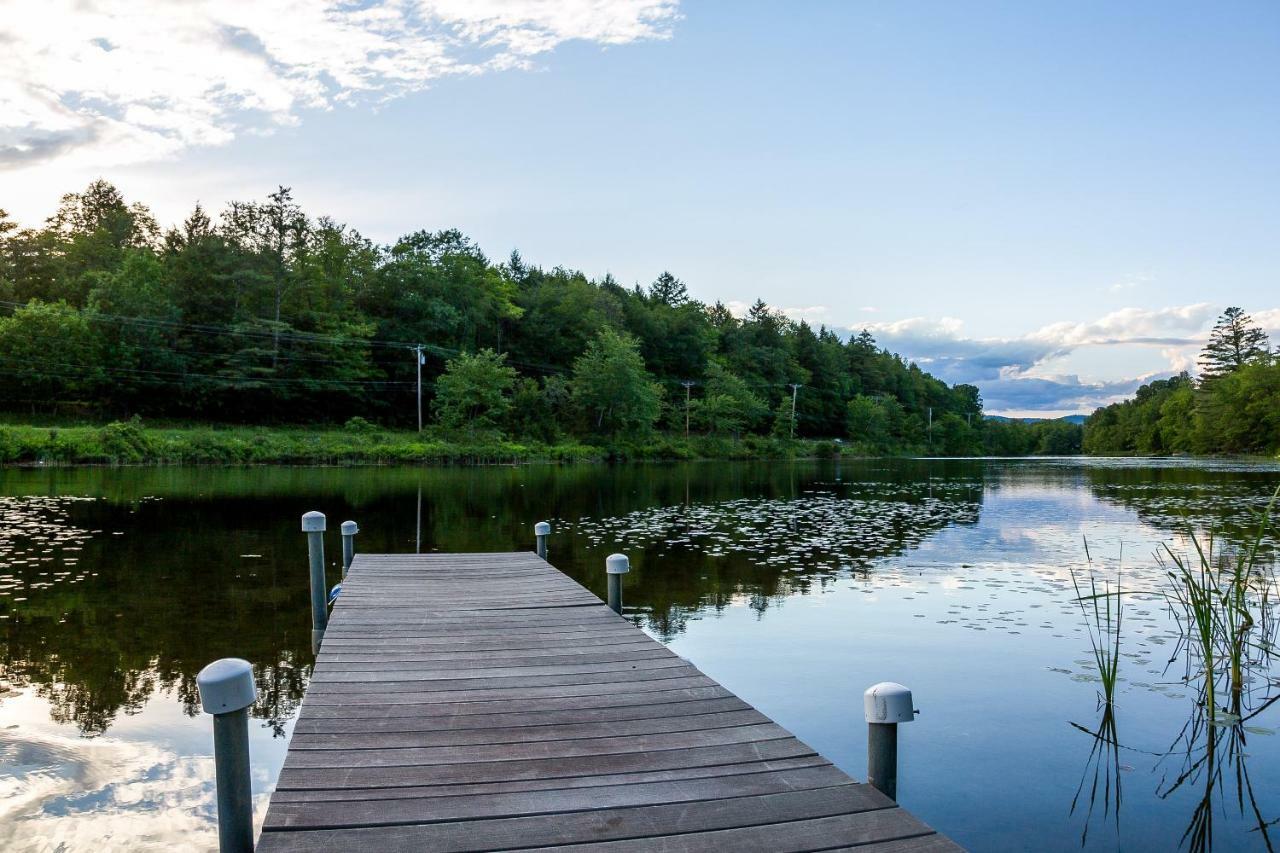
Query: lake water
[795,585]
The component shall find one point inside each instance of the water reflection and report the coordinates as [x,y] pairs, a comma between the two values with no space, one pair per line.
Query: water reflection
[117,586]
[1101,778]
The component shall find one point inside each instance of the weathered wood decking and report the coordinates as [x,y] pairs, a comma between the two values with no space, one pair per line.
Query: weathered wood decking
[487,702]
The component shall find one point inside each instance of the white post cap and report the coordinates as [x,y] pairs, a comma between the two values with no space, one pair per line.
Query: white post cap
[313,522]
[226,685]
[542,528]
[617,564]
[349,528]
[888,702]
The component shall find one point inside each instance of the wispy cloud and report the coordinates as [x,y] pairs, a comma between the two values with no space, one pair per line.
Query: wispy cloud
[1131,281]
[112,82]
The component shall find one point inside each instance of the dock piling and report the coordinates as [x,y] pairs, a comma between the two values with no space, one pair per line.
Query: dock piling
[885,704]
[226,691]
[541,531]
[616,565]
[349,531]
[313,524]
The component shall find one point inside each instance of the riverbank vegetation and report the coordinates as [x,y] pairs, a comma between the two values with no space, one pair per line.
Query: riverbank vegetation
[1233,407]
[267,316]
[358,443]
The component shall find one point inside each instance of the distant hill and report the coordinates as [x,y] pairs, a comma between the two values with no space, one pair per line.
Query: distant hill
[1071,419]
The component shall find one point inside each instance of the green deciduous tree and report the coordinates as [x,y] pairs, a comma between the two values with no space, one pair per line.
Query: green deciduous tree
[728,404]
[612,388]
[473,393]
[49,353]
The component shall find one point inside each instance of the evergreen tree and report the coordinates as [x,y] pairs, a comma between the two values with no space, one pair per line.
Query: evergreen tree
[1234,342]
[668,290]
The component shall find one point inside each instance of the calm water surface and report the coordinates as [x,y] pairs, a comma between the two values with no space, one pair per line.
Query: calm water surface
[796,586]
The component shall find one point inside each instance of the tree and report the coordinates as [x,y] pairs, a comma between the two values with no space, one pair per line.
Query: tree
[612,388]
[273,314]
[277,233]
[532,413]
[48,353]
[668,290]
[868,422]
[473,392]
[1234,342]
[728,406]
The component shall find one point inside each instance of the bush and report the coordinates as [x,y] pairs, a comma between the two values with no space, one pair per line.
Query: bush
[125,441]
[359,426]
[826,450]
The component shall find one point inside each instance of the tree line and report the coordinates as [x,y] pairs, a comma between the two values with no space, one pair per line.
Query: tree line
[1232,407]
[266,314]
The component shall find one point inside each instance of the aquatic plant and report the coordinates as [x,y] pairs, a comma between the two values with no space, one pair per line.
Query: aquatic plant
[1222,598]
[1103,614]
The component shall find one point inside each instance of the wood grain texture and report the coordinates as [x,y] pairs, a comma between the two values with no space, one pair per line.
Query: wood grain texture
[474,702]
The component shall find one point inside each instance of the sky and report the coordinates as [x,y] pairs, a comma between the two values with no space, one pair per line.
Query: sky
[1052,201]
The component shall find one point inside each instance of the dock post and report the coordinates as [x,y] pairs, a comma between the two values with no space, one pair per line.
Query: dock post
[313,525]
[226,691]
[886,704]
[616,565]
[349,531]
[541,531]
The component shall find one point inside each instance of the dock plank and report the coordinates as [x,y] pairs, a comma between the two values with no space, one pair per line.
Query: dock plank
[470,702]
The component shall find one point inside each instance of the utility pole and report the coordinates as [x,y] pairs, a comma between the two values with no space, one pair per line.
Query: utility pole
[931,426]
[688,384]
[418,359]
[795,389]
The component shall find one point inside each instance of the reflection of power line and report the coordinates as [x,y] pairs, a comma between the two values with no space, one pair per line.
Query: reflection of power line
[795,392]
[687,385]
[418,359]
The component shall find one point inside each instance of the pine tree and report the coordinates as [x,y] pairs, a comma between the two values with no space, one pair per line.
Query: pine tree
[668,290]
[1234,342]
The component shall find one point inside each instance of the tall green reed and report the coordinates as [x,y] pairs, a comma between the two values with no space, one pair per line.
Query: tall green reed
[1220,596]
[1103,614]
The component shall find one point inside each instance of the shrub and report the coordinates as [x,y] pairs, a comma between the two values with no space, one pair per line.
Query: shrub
[359,426]
[125,441]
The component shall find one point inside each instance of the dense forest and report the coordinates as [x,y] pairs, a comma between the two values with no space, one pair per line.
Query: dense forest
[1234,406]
[264,314]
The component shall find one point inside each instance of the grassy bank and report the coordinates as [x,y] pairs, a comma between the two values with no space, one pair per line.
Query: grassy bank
[133,443]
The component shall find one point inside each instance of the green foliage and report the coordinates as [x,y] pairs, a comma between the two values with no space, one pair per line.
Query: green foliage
[1233,343]
[359,426]
[125,441]
[728,405]
[49,351]
[611,387]
[265,314]
[869,424]
[473,393]
[1235,408]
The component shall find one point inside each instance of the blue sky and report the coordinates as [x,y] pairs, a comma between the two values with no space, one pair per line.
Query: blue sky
[1051,200]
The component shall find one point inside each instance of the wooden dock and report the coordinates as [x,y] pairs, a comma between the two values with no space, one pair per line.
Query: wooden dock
[472,702]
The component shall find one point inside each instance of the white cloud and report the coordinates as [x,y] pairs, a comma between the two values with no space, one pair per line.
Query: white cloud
[1014,374]
[112,82]
[812,314]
